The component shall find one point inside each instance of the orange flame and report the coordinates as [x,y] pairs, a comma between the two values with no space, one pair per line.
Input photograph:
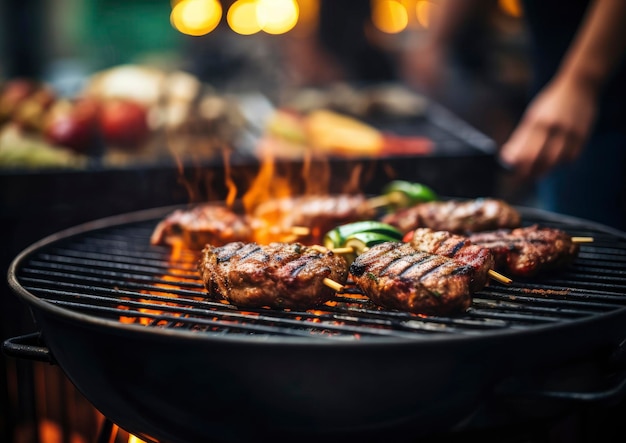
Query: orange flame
[230,183]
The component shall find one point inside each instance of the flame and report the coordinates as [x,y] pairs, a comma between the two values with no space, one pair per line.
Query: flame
[274,182]
[266,185]
[177,249]
[192,188]
[355,178]
[230,183]
[179,255]
[316,175]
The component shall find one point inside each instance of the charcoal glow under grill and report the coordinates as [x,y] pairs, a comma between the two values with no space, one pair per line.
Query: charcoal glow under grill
[115,274]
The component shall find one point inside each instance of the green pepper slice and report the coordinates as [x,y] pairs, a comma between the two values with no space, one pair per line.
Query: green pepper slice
[403,194]
[336,238]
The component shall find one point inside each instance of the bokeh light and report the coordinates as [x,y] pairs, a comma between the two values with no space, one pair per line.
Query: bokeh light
[389,16]
[242,17]
[277,16]
[196,17]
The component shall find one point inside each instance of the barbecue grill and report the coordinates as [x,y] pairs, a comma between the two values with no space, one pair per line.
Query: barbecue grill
[130,325]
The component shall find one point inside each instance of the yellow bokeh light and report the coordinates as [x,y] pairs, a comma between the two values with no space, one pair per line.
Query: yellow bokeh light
[389,16]
[277,16]
[196,17]
[241,17]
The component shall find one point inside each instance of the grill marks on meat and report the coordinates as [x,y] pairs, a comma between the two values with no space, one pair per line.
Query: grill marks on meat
[397,276]
[200,225]
[457,247]
[526,251]
[278,275]
[457,216]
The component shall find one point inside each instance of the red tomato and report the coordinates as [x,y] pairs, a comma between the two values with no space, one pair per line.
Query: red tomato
[408,237]
[72,124]
[124,122]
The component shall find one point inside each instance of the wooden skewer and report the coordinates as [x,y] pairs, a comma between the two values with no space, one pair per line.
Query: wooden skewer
[300,230]
[293,234]
[319,248]
[499,277]
[332,284]
[582,239]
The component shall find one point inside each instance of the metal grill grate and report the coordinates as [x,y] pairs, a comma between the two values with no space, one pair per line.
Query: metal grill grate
[114,273]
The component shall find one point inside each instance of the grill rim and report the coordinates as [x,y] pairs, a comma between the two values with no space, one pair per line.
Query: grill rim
[39,306]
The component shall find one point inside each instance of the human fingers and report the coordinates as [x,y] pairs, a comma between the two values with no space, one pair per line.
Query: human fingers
[521,152]
[553,151]
[561,147]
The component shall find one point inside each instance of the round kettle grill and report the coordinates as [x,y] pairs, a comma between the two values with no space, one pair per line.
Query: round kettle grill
[130,324]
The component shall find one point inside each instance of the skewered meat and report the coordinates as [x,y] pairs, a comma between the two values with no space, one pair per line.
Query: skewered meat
[200,225]
[457,216]
[397,276]
[278,275]
[271,221]
[529,250]
[458,247]
[320,213]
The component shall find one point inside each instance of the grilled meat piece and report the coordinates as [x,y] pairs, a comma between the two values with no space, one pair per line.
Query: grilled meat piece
[457,216]
[397,276]
[526,251]
[278,275]
[320,213]
[201,225]
[458,247]
[272,221]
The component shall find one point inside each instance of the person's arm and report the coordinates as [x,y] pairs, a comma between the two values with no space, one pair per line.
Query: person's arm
[559,120]
[598,46]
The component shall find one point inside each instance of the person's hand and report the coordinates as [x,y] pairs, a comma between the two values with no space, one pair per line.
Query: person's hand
[552,131]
